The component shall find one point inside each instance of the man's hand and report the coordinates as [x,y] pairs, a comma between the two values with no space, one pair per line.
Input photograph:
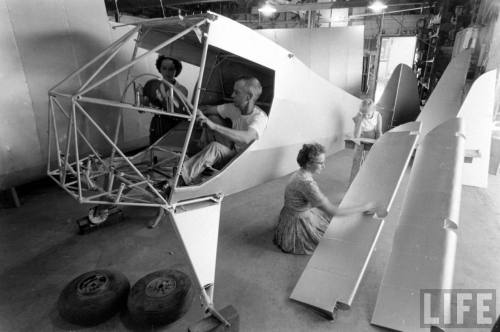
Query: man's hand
[200,117]
[199,113]
[203,120]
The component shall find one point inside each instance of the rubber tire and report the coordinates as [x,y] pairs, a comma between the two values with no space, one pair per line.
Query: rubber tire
[93,309]
[162,310]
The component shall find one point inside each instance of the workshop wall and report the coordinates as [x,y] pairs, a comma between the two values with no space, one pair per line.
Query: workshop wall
[42,42]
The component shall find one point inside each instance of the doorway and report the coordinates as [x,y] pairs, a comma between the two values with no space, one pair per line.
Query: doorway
[393,51]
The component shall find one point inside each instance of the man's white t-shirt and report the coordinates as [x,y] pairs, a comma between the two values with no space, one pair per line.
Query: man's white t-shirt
[257,120]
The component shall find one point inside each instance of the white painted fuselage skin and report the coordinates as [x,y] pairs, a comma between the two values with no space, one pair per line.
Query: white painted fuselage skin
[306,108]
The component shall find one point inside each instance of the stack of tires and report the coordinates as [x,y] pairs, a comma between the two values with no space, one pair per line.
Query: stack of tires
[158,298]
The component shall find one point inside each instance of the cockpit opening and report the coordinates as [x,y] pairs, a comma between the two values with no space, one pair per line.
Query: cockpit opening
[177,57]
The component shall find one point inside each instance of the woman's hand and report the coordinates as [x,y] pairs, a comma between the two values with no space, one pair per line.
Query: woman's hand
[373,208]
[370,208]
[358,117]
[161,94]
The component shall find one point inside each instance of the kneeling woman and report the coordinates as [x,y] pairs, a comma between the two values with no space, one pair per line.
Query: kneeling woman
[307,212]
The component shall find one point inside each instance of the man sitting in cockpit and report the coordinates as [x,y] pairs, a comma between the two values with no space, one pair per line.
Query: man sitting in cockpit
[248,123]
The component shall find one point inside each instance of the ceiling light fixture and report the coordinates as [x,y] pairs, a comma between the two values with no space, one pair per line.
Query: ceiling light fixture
[267,9]
[377,6]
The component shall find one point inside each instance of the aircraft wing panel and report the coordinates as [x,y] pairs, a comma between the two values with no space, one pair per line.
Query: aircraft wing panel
[444,102]
[340,260]
[423,252]
[378,183]
[477,112]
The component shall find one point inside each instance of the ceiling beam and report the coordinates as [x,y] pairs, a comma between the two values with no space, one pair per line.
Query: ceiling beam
[314,6]
[329,5]
[192,2]
[127,4]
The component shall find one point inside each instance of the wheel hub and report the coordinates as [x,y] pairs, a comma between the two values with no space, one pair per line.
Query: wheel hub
[98,215]
[160,287]
[92,284]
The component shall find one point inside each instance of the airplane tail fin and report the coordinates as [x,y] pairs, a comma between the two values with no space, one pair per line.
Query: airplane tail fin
[399,102]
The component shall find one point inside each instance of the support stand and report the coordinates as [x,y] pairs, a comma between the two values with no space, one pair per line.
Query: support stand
[212,324]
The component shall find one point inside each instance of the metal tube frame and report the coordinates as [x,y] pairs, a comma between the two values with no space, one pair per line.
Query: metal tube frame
[105,62]
[82,165]
[120,115]
[132,82]
[119,151]
[118,195]
[116,104]
[82,168]
[66,153]
[379,48]
[193,116]
[157,48]
[179,94]
[77,152]
[100,55]
[79,132]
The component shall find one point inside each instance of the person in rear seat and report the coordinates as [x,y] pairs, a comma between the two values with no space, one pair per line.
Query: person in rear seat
[248,123]
[156,94]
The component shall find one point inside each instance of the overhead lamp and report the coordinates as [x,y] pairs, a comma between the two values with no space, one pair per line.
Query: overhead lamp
[267,9]
[377,6]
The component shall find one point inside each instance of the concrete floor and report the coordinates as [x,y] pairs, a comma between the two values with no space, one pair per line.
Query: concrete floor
[40,252]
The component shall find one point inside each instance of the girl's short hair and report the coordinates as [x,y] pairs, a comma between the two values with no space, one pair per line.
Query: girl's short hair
[309,152]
